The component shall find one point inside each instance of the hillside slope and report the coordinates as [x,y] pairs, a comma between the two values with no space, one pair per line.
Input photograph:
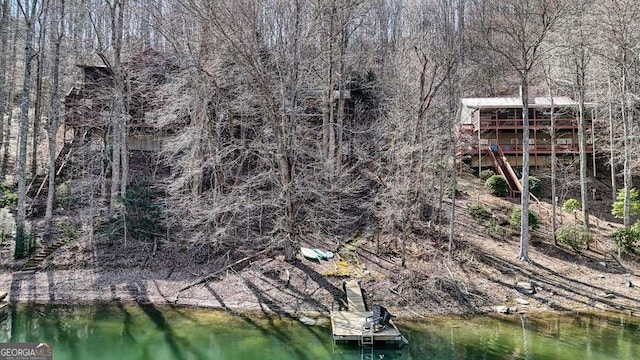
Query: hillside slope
[481,274]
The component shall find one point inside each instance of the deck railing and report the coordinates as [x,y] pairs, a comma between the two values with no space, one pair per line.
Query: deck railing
[516,149]
[489,123]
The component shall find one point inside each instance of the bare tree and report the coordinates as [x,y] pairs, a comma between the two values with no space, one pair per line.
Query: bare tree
[40,68]
[118,110]
[4,39]
[29,11]
[416,172]
[579,35]
[56,35]
[10,91]
[620,35]
[554,155]
[516,30]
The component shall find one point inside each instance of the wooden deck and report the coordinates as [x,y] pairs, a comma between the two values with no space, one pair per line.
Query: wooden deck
[348,325]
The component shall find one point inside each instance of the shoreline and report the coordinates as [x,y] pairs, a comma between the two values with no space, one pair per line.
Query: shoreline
[89,287]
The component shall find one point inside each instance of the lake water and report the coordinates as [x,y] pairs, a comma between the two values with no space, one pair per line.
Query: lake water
[126,332]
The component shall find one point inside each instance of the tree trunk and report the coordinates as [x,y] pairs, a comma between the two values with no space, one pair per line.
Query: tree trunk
[22,245]
[627,150]
[118,111]
[9,97]
[554,166]
[37,115]
[116,139]
[612,152]
[57,33]
[524,198]
[328,128]
[4,38]
[289,208]
[582,142]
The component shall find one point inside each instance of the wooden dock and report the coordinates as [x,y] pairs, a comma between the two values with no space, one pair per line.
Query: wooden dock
[349,326]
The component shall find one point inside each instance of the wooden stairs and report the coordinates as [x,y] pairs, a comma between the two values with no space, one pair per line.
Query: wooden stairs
[503,168]
[61,160]
[33,264]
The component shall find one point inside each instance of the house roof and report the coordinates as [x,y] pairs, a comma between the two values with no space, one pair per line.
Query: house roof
[515,102]
[478,103]
[471,105]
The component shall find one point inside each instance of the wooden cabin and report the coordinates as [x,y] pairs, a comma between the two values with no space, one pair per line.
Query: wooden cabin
[490,126]
[88,103]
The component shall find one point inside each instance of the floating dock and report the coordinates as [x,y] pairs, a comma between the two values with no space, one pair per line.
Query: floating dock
[350,325]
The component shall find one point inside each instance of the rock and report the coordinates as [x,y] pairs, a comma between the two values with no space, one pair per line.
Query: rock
[525,288]
[629,284]
[308,321]
[602,263]
[522,301]
[600,307]
[313,314]
[322,321]
[601,276]
[3,295]
[608,296]
[502,309]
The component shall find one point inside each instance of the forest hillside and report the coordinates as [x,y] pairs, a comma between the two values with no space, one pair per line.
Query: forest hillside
[161,142]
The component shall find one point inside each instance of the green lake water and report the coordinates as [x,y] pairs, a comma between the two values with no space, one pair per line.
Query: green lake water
[156,332]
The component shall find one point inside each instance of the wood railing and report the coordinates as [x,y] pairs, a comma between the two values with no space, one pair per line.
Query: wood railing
[516,149]
[488,123]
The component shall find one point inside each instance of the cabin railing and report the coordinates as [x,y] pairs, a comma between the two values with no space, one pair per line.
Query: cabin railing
[516,149]
[489,123]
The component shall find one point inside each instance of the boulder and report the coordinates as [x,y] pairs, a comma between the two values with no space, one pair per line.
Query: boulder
[308,321]
[3,295]
[525,288]
[522,301]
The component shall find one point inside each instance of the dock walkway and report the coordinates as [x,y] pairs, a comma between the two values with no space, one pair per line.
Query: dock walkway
[355,300]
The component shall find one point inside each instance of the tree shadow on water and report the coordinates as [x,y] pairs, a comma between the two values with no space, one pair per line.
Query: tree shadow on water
[180,347]
[271,311]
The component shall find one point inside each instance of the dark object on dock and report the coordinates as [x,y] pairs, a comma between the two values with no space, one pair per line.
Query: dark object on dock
[380,318]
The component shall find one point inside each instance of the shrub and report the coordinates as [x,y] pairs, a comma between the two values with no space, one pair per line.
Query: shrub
[575,236]
[516,215]
[486,174]
[494,229]
[68,230]
[448,191]
[141,211]
[478,212]
[571,206]
[535,186]
[626,239]
[8,198]
[498,185]
[617,209]
[518,171]
[63,195]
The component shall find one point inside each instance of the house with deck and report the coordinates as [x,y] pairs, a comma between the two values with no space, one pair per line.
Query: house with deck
[490,132]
